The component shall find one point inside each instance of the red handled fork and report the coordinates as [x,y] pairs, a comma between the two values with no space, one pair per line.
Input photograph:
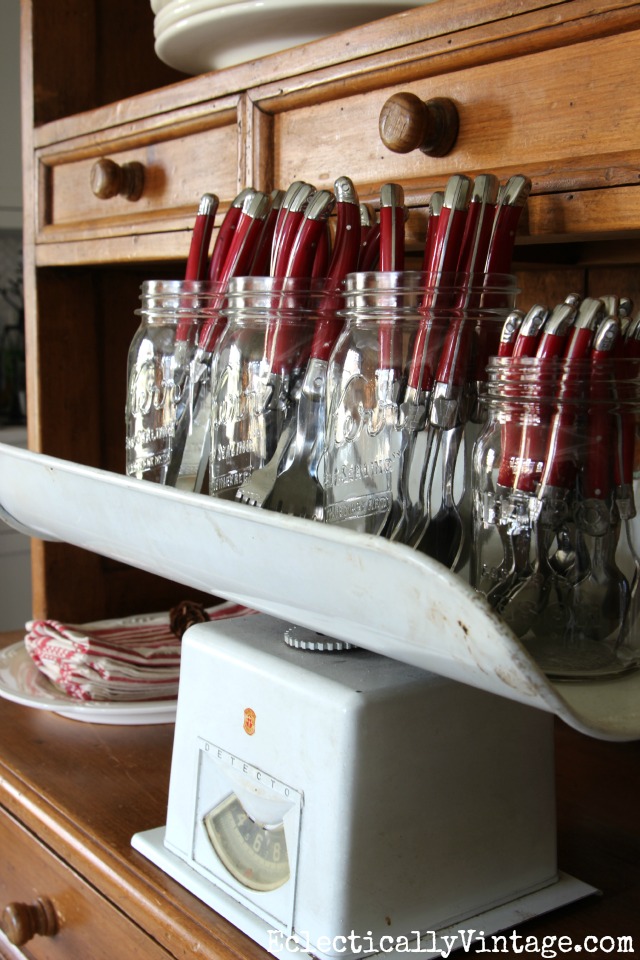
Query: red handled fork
[297,488]
[302,251]
[442,535]
[440,262]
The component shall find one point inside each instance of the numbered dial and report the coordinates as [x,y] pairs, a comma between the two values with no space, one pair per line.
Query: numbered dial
[254,853]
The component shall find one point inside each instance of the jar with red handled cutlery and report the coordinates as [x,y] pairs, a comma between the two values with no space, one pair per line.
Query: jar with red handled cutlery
[402,388]
[468,292]
[555,488]
[461,319]
[365,383]
[258,366]
[301,300]
[168,382]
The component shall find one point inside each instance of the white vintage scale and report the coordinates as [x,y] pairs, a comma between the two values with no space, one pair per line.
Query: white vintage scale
[343,801]
[322,796]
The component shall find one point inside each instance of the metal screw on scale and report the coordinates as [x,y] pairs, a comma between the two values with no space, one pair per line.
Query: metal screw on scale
[302,639]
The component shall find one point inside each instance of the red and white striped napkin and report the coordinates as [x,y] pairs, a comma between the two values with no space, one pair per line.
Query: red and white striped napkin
[133,659]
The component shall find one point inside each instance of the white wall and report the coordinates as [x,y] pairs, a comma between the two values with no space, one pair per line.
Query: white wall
[10,159]
[15,563]
[15,560]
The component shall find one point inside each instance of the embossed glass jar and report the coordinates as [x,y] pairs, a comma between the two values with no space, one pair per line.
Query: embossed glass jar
[556,529]
[364,426]
[258,367]
[403,391]
[462,317]
[168,404]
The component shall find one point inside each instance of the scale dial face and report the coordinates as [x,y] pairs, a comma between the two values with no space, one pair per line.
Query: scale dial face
[254,853]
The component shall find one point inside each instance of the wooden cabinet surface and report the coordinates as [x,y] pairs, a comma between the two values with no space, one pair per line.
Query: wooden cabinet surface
[543,87]
[72,794]
[86,923]
[171,158]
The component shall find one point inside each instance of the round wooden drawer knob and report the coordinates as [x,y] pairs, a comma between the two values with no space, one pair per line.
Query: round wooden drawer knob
[22,921]
[110,179]
[408,123]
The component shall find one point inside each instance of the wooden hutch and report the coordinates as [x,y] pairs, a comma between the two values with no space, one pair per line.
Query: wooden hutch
[543,87]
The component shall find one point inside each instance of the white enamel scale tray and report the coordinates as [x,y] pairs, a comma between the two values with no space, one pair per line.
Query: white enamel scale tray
[381,596]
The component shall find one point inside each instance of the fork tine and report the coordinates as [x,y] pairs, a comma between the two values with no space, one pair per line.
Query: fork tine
[297,492]
[257,487]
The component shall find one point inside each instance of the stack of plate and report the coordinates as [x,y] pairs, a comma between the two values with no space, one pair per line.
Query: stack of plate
[196,36]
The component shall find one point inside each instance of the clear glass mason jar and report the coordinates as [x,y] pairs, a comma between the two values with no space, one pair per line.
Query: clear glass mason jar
[555,486]
[462,320]
[168,405]
[403,390]
[365,382]
[257,371]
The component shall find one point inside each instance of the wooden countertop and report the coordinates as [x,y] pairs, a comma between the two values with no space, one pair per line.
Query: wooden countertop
[85,789]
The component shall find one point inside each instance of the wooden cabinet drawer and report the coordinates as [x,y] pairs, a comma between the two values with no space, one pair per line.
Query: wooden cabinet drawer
[183,155]
[89,926]
[558,113]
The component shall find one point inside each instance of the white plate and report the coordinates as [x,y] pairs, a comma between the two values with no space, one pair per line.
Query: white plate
[196,36]
[23,683]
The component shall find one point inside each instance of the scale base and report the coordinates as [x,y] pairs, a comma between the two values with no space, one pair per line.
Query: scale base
[565,890]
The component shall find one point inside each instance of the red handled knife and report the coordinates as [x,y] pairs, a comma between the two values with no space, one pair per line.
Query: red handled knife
[441,261]
[345,258]
[240,254]
[226,232]
[289,220]
[262,257]
[511,203]
[198,259]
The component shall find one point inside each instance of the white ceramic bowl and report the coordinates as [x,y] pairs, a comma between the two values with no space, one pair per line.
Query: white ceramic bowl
[196,36]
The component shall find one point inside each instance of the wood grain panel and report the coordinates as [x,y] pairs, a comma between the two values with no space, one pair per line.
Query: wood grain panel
[177,172]
[89,926]
[84,789]
[66,79]
[557,106]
